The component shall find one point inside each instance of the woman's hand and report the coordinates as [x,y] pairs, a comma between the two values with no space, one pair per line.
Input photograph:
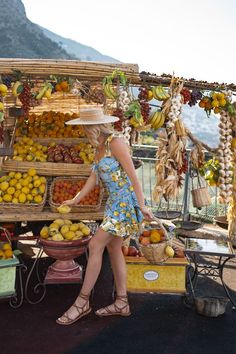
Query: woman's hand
[70,202]
[147,213]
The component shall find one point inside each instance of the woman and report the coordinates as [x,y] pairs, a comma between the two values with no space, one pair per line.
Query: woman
[125,209]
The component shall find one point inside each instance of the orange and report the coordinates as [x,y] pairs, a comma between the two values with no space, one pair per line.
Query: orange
[8,254]
[6,246]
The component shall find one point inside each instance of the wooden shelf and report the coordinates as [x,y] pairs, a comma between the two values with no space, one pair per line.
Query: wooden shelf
[47,214]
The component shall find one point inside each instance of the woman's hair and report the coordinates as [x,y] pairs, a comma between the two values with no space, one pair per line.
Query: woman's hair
[94,131]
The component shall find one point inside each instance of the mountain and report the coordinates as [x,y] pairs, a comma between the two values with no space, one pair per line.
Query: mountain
[20,38]
[204,128]
[78,50]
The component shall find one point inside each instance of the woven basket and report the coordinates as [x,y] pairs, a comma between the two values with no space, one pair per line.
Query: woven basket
[155,252]
[77,208]
[24,207]
[200,195]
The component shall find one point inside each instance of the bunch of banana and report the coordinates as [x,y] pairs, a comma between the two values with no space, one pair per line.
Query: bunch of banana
[45,91]
[109,91]
[157,120]
[136,122]
[159,93]
[17,88]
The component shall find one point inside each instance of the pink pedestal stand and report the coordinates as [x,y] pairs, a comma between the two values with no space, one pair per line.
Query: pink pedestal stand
[64,269]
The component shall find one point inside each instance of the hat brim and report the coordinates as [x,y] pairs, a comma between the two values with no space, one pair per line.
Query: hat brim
[104,120]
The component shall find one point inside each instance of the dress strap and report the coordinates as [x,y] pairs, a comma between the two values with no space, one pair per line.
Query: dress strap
[108,141]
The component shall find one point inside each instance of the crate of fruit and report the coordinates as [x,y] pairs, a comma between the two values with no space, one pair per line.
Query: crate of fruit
[23,192]
[55,157]
[8,264]
[64,188]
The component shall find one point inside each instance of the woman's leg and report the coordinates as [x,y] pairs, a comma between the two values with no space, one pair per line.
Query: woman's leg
[118,264]
[120,306]
[96,249]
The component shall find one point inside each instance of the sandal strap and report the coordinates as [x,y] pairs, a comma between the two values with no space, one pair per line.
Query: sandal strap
[79,309]
[114,308]
[84,296]
[123,298]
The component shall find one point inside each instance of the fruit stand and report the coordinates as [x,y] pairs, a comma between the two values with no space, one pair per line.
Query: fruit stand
[49,161]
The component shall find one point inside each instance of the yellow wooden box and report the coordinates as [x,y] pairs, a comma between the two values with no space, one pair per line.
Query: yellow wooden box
[167,277]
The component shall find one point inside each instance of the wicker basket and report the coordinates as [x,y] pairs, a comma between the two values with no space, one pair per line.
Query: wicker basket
[155,252]
[200,195]
[24,208]
[77,208]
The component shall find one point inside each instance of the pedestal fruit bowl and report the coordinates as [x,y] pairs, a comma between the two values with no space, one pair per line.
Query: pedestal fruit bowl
[64,249]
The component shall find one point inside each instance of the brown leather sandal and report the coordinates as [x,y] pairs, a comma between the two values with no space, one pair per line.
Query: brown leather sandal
[118,311]
[80,309]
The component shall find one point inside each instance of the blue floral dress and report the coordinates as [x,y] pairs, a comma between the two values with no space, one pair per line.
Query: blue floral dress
[122,215]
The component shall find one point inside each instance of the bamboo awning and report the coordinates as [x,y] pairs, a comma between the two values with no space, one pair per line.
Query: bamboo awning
[82,70]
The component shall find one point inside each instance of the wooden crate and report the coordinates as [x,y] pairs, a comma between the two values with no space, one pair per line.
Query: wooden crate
[8,276]
[48,168]
[79,207]
[167,277]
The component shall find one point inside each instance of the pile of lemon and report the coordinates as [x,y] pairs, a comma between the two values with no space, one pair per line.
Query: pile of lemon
[17,187]
[65,230]
[27,150]
[86,152]
[6,251]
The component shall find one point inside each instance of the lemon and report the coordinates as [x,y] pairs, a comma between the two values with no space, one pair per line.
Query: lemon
[11,190]
[31,172]
[85,230]
[34,191]
[69,235]
[24,182]
[22,198]
[31,186]
[38,199]
[63,209]
[7,197]
[25,190]
[16,194]
[12,182]
[8,253]
[169,251]
[37,183]
[4,185]
[3,178]
[15,200]
[1,200]
[42,179]
[74,227]
[29,157]
[29,197]
[18,186]
[42,188]
[11,174]
[18,175]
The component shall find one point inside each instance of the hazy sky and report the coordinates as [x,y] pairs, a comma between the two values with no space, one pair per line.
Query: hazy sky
[193,38]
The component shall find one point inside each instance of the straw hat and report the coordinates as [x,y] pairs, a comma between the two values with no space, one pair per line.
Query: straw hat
[90,116]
